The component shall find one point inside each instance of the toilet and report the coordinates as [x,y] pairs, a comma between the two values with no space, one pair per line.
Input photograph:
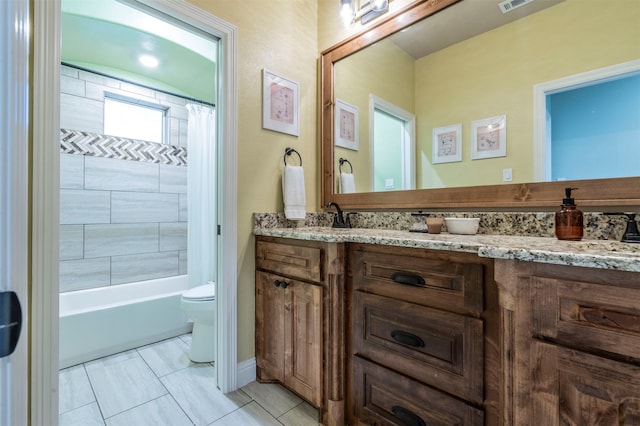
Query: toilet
[199,304]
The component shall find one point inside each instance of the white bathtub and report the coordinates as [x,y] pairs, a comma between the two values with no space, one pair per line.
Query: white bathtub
[107,320]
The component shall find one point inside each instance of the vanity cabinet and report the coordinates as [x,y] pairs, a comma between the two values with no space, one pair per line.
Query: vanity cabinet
[299,320]
[576,335]
[417,348]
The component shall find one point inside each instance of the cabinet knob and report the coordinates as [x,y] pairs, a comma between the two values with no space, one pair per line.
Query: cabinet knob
[279,283]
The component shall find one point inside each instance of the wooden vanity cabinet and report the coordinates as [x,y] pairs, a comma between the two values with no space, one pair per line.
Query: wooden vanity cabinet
[299,330]
[421,340]
[575,333]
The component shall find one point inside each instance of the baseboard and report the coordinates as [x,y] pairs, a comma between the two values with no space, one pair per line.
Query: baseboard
[246,372]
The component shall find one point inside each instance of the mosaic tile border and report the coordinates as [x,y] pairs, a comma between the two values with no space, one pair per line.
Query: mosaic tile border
[98,145]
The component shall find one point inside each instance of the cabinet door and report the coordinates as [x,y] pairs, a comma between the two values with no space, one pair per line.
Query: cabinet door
[270,325]
[303,340]
[574,388]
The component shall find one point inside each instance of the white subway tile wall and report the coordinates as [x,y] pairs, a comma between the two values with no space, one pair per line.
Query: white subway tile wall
[123,203]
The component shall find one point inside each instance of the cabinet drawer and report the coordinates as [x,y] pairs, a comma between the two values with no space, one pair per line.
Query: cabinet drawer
[291,260]
[439,348]
[587,315]
[444,284]
[384,397]
[575,388]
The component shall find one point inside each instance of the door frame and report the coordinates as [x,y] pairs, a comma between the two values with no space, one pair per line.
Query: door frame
[14,204]
[408,143]
[45,199]
[541,127]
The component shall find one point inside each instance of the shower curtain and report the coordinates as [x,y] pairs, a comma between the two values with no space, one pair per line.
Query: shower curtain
[201,194]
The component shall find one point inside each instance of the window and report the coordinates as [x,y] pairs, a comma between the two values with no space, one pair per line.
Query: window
[134,119]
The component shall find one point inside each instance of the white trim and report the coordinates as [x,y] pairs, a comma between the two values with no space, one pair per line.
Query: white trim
[14,164]
[45,217]
[541,151]
[246,372]
[44,299]
[409,145]
[226,109]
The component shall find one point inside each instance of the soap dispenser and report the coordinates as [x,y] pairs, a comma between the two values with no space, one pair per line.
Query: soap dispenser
[569,220]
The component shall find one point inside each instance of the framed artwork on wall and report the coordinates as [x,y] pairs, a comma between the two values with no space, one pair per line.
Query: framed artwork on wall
[280,104]
[489,137]
[346,125]
[447,144]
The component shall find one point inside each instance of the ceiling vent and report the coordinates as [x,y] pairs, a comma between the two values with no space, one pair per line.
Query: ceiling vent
[509,5]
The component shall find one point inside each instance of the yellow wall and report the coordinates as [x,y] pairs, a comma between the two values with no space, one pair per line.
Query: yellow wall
[494,74]
[282,36]
[392,79]
[286,36]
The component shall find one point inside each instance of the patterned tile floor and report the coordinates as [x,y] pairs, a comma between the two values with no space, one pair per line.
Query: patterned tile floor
[158,385]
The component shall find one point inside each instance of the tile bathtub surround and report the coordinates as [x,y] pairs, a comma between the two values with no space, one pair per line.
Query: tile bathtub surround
[157,384]
[123,202]
[597,226]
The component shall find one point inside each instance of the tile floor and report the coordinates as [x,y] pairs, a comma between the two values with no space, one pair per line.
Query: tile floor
[158,385]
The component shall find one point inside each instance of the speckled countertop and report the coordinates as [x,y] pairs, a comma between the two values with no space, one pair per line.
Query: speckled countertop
[604,254]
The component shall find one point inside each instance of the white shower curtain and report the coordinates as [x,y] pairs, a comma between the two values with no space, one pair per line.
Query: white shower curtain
[201,194]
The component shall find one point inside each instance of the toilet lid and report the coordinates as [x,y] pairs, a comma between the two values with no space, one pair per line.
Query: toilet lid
[202,292]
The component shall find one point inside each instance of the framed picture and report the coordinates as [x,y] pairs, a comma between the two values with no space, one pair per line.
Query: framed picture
[489,137]
[447,144]
[280,104]
[346,125]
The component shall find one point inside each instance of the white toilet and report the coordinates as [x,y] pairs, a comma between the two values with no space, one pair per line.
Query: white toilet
[199,304]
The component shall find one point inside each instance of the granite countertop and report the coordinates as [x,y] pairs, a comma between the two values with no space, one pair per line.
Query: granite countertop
[601,254]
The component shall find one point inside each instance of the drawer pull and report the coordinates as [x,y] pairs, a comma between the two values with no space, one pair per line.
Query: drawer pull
[408,339]
[407,417]
[407,278]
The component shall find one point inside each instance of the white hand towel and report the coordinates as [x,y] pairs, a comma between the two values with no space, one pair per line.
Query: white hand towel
[293,192]
[347,183]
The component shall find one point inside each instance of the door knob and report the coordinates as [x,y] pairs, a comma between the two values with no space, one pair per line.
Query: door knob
[10,322]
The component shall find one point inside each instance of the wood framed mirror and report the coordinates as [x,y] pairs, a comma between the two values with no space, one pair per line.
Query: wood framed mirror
[594,194]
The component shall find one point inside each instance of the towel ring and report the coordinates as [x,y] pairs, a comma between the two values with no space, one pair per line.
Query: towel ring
[342,161]
[288,151]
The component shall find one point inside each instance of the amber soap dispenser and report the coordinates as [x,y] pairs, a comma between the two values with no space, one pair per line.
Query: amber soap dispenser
[569,220]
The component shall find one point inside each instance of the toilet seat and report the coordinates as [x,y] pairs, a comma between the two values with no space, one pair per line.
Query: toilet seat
[201,293]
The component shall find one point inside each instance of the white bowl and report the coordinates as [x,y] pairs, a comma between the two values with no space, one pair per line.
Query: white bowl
[462,225]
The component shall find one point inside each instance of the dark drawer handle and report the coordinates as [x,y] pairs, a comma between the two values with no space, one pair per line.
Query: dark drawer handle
[407,417]
[407,278]
[408,339]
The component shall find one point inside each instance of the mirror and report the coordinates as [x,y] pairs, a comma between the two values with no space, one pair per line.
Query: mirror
[493,74]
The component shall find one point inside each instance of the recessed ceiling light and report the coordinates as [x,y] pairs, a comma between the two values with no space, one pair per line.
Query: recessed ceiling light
[148,61]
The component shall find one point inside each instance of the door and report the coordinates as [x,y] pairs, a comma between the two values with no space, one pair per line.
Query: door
[269,327]
[14,19]
[303,339]
[393,146]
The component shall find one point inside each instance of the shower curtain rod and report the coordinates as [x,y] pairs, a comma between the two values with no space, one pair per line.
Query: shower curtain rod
[166,92]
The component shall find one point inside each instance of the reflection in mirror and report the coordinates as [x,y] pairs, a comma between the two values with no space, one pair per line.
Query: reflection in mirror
[474,77]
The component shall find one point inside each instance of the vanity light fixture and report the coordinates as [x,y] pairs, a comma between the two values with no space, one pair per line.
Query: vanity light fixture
[346,12]
[148,61]
[367,11]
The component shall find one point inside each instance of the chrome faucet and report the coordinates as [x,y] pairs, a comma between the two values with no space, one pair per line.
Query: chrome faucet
[339,220]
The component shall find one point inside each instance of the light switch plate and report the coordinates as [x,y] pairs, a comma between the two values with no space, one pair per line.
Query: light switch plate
[507,175]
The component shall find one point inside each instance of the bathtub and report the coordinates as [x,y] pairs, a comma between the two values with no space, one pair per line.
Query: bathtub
[102,321]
